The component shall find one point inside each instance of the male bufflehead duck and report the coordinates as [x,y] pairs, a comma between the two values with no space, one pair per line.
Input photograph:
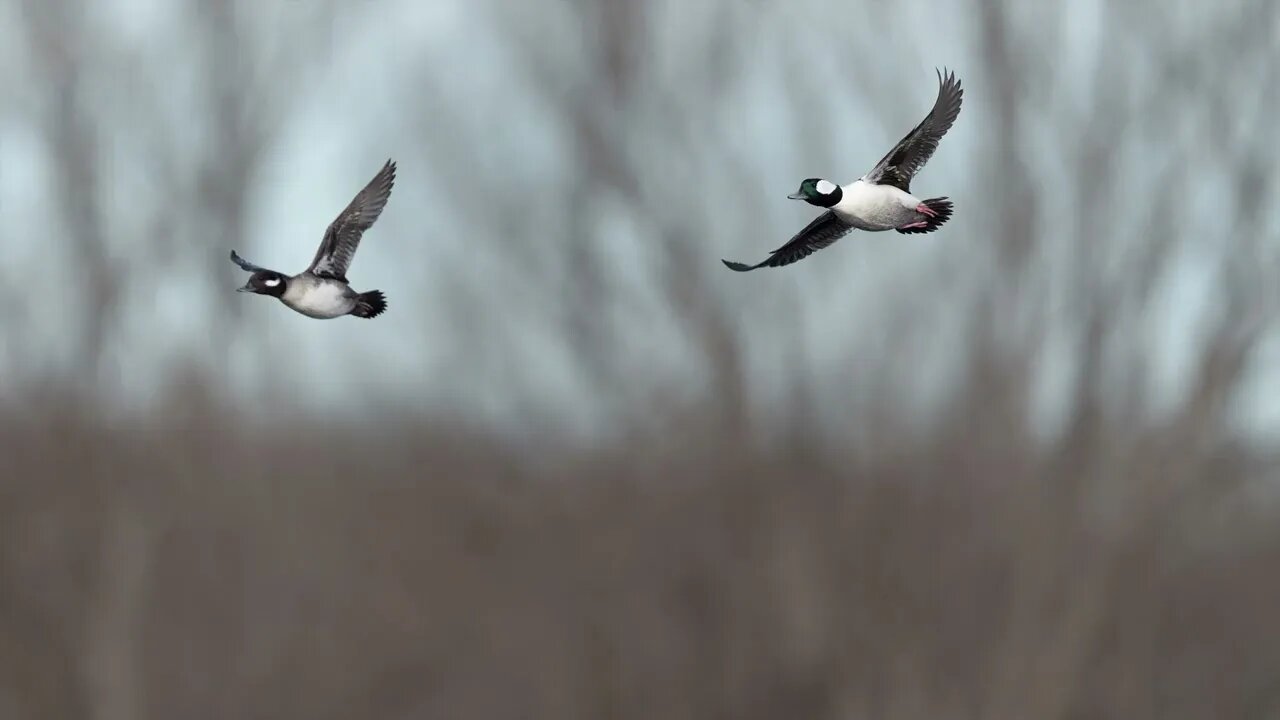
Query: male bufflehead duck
[321,291]
[881,199]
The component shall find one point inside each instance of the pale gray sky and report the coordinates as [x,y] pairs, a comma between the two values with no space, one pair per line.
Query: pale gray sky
[388,70]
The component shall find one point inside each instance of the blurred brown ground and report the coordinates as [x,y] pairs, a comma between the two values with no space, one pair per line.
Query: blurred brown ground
[194,569]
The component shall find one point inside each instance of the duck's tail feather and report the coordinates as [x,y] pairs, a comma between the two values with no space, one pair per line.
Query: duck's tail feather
[942,209]
[370,304]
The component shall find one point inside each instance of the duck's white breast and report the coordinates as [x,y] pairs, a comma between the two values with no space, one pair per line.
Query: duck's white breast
[875,207]
[319,299]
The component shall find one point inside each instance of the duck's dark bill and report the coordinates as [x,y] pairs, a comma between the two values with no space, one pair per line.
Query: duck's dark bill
[246,288]
[795,196]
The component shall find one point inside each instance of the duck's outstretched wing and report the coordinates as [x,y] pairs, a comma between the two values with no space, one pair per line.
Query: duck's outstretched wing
[913,151]
[244,264]
[824,230]
[343,235]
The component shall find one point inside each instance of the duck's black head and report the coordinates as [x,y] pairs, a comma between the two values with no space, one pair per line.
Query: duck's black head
[817,191]
[266,282]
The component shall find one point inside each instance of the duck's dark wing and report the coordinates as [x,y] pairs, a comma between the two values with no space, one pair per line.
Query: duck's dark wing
[824,230]
[343,236]
[244,264]
[913,151]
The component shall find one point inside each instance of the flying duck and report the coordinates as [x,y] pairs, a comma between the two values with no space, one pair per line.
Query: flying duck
[881,199]
[321,291]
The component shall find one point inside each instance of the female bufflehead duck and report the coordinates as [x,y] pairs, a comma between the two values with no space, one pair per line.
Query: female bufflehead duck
[321,291]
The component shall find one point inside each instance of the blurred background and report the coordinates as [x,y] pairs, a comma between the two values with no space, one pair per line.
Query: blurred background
[1022,467]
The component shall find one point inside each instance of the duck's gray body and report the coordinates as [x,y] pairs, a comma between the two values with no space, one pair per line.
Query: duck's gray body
[318,297]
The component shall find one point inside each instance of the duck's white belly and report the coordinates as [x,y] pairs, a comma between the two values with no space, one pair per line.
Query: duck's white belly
[876,207]
[318,299]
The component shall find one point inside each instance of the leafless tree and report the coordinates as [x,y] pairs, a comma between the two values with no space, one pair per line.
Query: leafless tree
[153,161]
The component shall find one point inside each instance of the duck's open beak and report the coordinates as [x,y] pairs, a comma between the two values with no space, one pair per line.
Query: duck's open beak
[796,196]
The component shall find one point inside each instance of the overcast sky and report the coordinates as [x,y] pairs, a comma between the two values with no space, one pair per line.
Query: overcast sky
[442,87]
